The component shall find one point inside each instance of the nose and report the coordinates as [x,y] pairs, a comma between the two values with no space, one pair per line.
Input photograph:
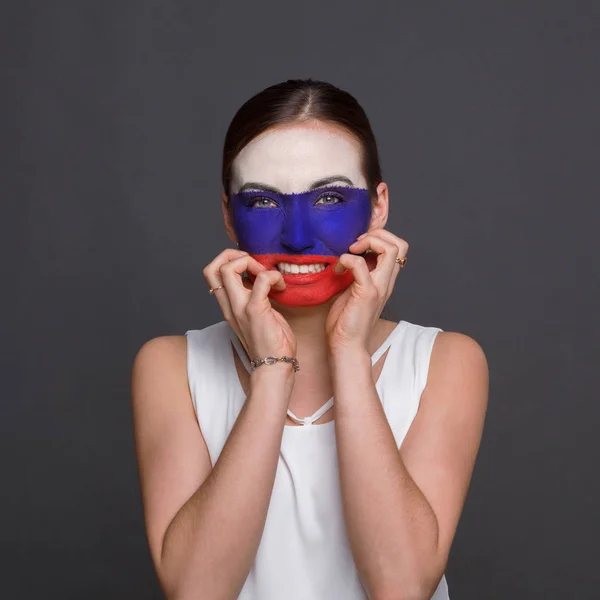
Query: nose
[297,233]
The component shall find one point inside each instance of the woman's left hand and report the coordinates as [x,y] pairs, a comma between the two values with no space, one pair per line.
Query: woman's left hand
[354,313]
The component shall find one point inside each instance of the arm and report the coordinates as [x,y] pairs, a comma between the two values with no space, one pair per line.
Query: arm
[402,507]
[204,524]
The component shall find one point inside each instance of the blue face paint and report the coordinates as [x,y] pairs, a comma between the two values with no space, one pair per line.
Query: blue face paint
[311,227]
[323,222]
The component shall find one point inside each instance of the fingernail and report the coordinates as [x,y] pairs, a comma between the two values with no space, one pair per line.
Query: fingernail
[361,236]
[338,267]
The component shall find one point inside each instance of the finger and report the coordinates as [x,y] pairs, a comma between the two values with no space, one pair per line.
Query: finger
[231,275]
[386,251]
[390,237]
[360,271]
[264,282]
[385,272]
[214,279]
[211,271]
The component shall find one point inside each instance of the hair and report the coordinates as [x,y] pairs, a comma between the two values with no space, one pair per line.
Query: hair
[297,101]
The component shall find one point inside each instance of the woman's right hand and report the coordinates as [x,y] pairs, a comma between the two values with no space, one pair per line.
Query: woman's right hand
[261,329]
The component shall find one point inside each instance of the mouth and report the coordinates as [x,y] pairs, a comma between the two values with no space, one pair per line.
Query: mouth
[295,268]
[303,269]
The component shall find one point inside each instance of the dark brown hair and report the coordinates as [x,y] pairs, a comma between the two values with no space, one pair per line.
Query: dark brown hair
[297,100]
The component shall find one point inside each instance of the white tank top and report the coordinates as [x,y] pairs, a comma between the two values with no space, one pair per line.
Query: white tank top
[304,551]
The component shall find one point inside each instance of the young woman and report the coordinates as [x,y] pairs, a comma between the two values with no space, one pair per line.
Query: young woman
[255,484]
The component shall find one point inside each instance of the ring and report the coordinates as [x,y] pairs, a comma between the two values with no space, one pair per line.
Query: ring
[401,261]
[213,289]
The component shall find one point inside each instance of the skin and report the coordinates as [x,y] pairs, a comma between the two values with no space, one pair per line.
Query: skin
[401,505]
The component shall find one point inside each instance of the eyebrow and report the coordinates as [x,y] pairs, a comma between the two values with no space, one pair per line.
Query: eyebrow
[263,187]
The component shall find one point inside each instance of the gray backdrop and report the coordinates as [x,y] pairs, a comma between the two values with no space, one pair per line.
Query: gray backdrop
[486,115]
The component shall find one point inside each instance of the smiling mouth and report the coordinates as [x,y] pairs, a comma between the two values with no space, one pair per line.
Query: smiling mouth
[301,269]
[305,278]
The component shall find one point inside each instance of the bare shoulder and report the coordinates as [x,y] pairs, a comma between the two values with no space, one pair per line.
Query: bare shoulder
[159,373]
[456,389]
[173,459]
[453,342]
[154,352]
[458,377]
[458,356]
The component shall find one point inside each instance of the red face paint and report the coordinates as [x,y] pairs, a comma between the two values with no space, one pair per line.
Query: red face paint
[306,289]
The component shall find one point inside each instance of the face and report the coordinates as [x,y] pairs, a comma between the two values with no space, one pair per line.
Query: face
[298,201]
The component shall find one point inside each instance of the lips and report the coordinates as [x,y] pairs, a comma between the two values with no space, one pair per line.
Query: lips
[271,260]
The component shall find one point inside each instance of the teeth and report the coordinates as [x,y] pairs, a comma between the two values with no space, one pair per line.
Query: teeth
[293,268]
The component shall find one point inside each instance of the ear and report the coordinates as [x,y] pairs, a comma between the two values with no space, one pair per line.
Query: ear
[227,217]
[379,211]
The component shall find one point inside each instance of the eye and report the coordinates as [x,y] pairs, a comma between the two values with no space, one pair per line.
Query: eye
[333,195]
[259,199]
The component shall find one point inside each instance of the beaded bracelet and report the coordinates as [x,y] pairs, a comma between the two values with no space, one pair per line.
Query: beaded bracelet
[271,360]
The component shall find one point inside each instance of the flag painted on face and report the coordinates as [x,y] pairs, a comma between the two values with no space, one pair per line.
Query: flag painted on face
[312,227]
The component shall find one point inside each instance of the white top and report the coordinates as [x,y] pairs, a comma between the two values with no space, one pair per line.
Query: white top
[304,553]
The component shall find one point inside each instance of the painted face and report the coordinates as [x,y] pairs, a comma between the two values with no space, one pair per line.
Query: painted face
[298,201]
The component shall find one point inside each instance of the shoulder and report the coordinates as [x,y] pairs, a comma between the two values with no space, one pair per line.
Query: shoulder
[160,361]
[458,370]
[160,349]
[454,348]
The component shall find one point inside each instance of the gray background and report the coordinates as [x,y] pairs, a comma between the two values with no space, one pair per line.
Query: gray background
[486,114]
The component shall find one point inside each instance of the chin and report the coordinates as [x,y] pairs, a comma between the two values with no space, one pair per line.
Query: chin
[312,294]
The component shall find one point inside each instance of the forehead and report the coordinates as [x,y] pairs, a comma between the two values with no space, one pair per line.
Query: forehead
[291,158]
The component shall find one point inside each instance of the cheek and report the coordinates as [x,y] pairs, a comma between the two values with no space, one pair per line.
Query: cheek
[340,228]
[257,233]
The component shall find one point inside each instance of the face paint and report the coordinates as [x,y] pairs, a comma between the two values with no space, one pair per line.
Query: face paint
[283,219]
[307,228]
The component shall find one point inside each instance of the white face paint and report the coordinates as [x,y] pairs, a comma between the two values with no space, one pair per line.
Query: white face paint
[292,157]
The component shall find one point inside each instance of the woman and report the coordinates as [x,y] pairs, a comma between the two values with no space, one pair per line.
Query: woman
[254,484]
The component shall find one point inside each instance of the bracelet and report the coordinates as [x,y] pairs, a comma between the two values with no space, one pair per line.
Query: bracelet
[271,360]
